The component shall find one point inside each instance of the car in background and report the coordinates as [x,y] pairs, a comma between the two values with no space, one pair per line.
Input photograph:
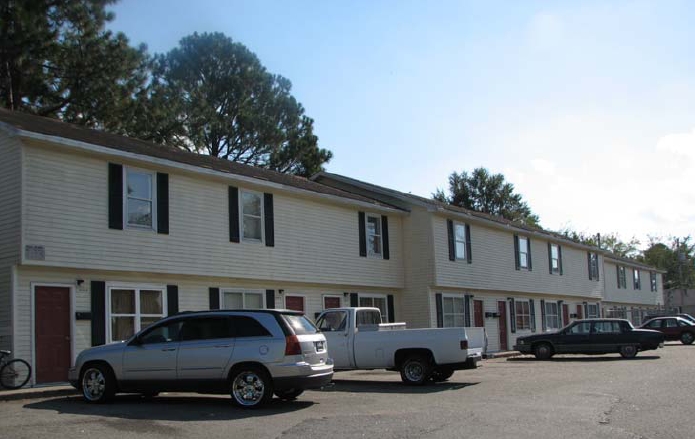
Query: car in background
[688,317]
[593,337]
[249,354]
[673,328]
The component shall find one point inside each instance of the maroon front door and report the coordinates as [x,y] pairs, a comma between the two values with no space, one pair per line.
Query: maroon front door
[502,309]
[52,332]
[565,314]
[580,311]
[478,313]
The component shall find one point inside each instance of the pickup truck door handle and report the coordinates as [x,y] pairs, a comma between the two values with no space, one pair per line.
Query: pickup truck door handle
[168,349]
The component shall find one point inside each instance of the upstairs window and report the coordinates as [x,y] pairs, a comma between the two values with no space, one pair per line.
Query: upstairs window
[622,278]
[593,266]
[460,240]
[555,258]
[636,279]
[522,252]
[139,199]
[252,216]
[374,235]
[652,282]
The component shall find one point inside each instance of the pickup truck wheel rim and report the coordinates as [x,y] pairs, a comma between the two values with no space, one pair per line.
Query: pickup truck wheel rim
[93,384]
[414,371]
[248,388]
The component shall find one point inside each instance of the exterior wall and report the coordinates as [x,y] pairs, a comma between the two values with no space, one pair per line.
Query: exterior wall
[193,296]
[493,266]
[418,257]
[10,228]
[630,295]
[66,211]
[678,297]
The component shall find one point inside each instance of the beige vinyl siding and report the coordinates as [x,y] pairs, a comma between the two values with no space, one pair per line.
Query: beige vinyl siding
[493,266]
[315,242]
[419,268]
[193,296]
[629,295]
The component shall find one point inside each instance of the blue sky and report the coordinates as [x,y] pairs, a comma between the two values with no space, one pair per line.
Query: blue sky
[587,107]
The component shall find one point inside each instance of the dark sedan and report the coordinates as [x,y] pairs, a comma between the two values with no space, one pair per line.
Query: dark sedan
[673,328]
[591,336]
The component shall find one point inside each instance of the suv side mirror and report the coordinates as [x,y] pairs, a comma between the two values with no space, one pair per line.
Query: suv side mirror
[136,341]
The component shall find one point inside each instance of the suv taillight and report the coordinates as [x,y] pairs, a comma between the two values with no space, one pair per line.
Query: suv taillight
[292,346]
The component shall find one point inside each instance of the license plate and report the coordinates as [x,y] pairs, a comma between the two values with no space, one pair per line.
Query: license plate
[320,346]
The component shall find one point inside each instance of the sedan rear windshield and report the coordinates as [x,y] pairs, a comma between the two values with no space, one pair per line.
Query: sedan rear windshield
[300,324]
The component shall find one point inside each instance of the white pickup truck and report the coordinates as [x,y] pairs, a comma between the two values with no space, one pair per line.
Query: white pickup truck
[358,340]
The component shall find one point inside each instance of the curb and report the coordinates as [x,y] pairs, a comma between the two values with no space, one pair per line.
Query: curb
[33,393]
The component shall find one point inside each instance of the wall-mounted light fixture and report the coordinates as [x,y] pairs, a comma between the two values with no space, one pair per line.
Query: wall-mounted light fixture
[281,292]
[346,294]
[79,282]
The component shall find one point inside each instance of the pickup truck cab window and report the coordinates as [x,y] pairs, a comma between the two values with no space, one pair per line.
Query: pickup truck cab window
[332,321]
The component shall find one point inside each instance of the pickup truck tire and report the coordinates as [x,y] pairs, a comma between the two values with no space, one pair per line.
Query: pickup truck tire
[416,370]
[543,351]
[628,351]
[687,338]
[289,395]
[251,387]
[442,374]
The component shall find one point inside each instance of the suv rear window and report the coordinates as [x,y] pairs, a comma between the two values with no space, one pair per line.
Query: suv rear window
[300,324]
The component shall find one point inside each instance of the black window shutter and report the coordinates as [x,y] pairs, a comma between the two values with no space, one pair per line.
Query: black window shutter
[450,235]
[516,252]
[233,214]
[532,308]
[354,299]
[270,299]
[512,315]
[98,305]
[559,258]
[617,272]
[469,251]
[115,196]
[162,203]
[390,308]
[560,314]
[544,327]
[588,254]
[214,298]
[172,299]
[269,220]
[385,236]
[362,234]
[598,309]
[528,253]
[550,258]
[467,310]
[586,310]
[439,307]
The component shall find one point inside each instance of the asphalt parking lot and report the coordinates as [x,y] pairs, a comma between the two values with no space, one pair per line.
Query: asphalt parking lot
[569,396]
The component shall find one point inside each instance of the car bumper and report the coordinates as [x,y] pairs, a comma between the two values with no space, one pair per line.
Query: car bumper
[303,382]
[73,377]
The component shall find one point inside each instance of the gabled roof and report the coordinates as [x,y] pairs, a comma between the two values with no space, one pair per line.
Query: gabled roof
[25,124]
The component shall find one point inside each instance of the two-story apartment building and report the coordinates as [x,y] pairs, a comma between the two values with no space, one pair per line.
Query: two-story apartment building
[465,268]
[631,288]
[101,235]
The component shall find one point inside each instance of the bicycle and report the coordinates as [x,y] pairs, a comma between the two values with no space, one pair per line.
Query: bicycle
[13,373]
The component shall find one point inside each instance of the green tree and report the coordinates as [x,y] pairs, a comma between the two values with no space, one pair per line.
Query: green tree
[214,96]
[58,60]
[488,193]
[606,241]
[676,257]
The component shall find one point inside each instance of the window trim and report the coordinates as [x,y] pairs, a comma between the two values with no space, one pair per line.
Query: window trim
[653,283]
[370,251]
[622,277]
[137,287]
[557,270]
[463,302]
[153,199]
[243,292]
[242,214]
[547,314]
[517,314]
[384,315]
[594,268]
[456,241]
[334,296]
[302,296]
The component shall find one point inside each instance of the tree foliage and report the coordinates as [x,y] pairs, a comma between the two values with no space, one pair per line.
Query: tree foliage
[489,193]
[676,257]
[606,241]
[58,60]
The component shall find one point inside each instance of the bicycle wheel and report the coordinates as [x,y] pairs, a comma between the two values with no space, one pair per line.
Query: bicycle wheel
[15,374]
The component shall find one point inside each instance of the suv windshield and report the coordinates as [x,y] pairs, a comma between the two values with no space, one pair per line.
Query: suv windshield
[300,324]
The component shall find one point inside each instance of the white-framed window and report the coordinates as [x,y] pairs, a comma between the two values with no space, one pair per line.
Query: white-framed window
[295,302]
[636,279]
[375,301]
[554,258]
[460,240]
[242,299]
[522,309]
[552,316]
[373,232]
[139,199]
[622,278]
[523,252]
[331,301]
[133,308]
[453,311]
[251,211]
[592,311]
[593,266]
[652,282]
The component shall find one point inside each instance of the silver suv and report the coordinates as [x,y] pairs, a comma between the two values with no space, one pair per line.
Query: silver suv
[249,354]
